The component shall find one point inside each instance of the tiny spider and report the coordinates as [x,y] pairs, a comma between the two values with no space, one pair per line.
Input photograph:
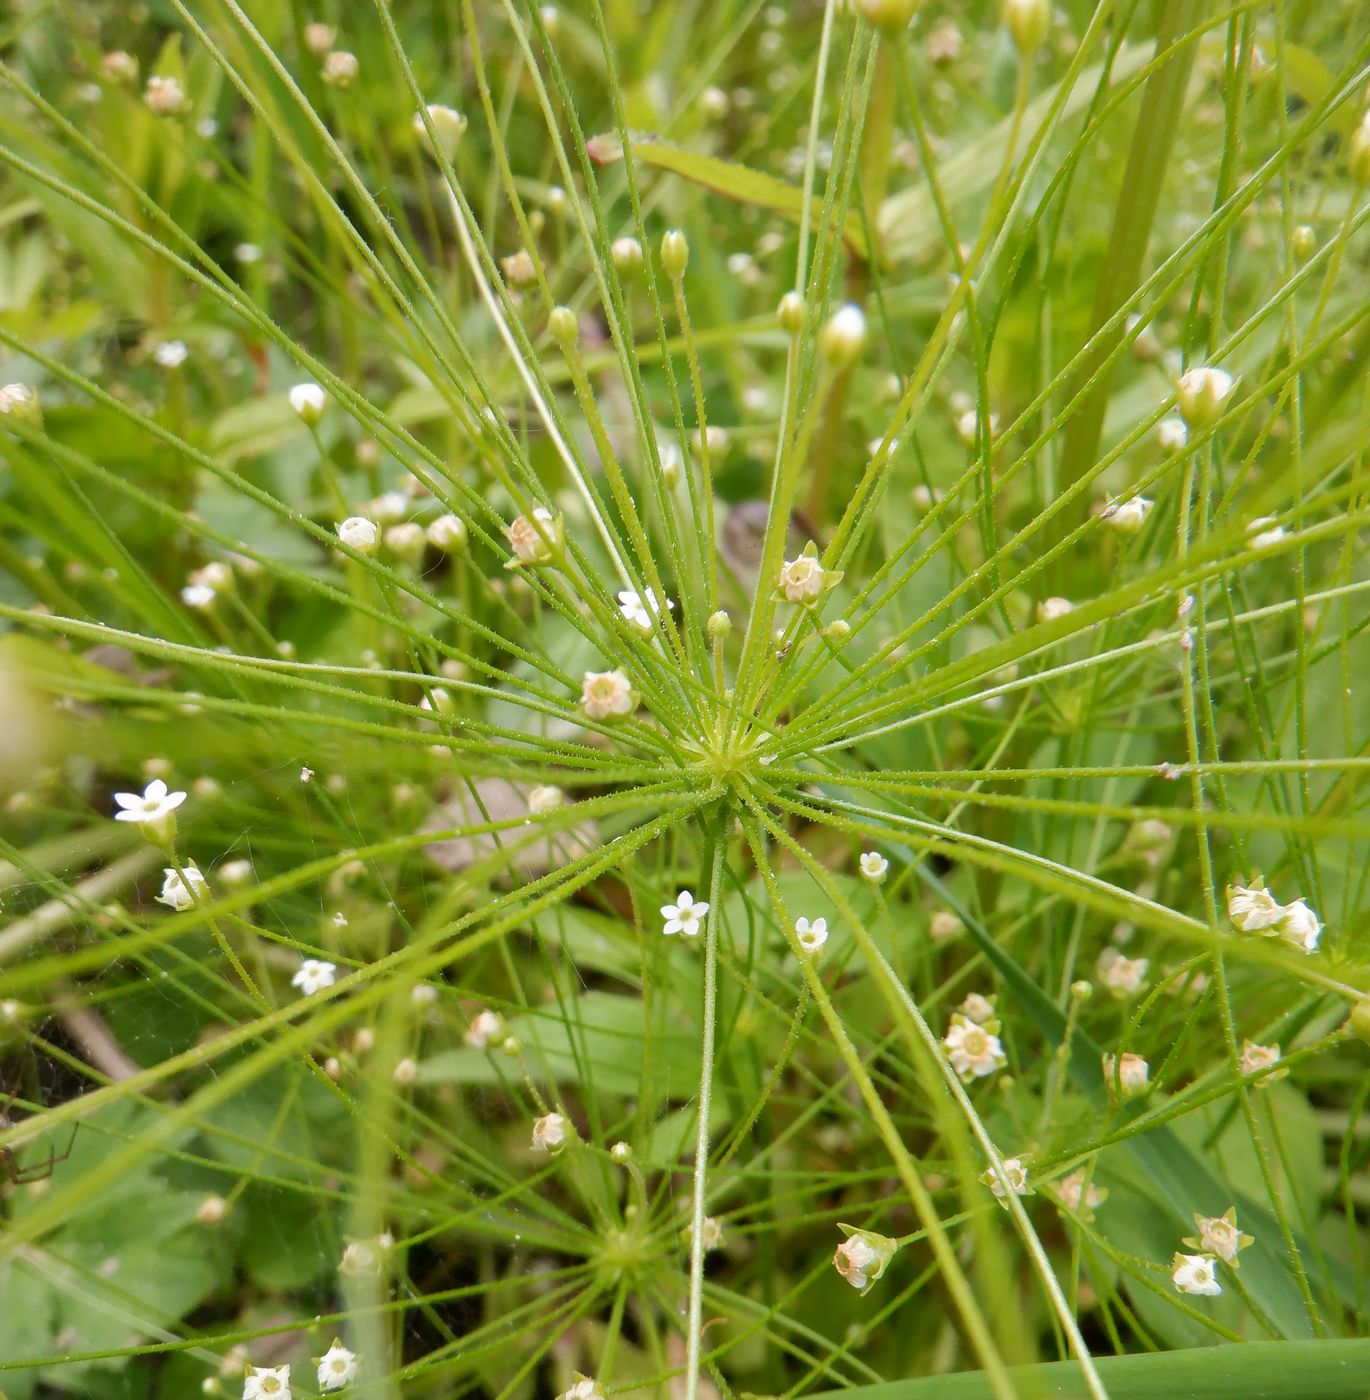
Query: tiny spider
[38,1171]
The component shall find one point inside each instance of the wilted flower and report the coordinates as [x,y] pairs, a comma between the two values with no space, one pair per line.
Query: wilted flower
[1012,1180]
[1194,1273]
[1083,1198]
[1123,976]
[710,1235]
[641,611]
[175,892]
[1218,1234]
[812,936]
[166,96]
[337,1367]
[974,1051]
[1252,908]
[863,1256]
[1128,1075]
[519,268]
[684,916]
[313,976]
[980,1009]
[1255,1058]
[549,1132]
[1299,925]
[340,68]
[607,695]
[536,539]
[585,1388]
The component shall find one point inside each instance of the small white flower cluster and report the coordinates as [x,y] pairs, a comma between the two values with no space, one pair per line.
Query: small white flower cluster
[1253,909]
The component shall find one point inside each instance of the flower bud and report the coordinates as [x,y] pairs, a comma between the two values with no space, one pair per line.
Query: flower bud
[863,1256]
[675,254]
[719,625]
[309,402]
[1358,1023]
[889,16]
[843,339]
[627,256]
[1358,152]
[1081,990]
[340,69]
[359,533]
[837,631]
[621,1153]
[448,128]
[406,542]
[119,67]
[1304,242]
[448,533]
[211,1210]
[564,325]
[19,402]
[792,312]
[1028,22]
[1202,394]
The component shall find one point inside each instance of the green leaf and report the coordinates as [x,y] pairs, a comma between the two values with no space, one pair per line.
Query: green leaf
[736,182]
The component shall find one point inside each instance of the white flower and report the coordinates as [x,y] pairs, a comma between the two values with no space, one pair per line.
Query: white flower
[340,69]
[267,1383]
[309,401]
[1202,392]
[1253,909]
[171,354]
[1127,517]
[944,926]
[447,533]
[449,126]
[174,893]
[364,1257]
[978,1009]
[533,539]
[863,1256]
[585,1388]
[711,1234]
[1172,434]
[974,1052]
[1124,977]
[1012,1180]
[313,976]
[545,799]
[198,596]
[166,96]
[153,809]
[318,37]
[337,1367]
[801,580]
[1218,1234]
[842,340]
[1194,1273]
[1049,609]
[1255,1058]
[812,936]
[1299,925]
[1130,1074]
[641,612]
[1075,1195]
[606,695]
[359,533]
[485,1027]
[1263,532]
[549,1132]
[684,916]
[119,67]
[19,401]
[874,866]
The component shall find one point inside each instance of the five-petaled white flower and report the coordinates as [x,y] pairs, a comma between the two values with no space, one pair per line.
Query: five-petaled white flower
[1123,976]
[805,580]
[607,695]
[874,866]
[684,916]
[549,1132]
[641,611]
[1011,1181]
[267,1383]
[153,809]
[812,936]
[337,1367]
[974,1051]
[175,894]
[1218,1234]
[485,1027]
[1194,1273]
[314,976]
